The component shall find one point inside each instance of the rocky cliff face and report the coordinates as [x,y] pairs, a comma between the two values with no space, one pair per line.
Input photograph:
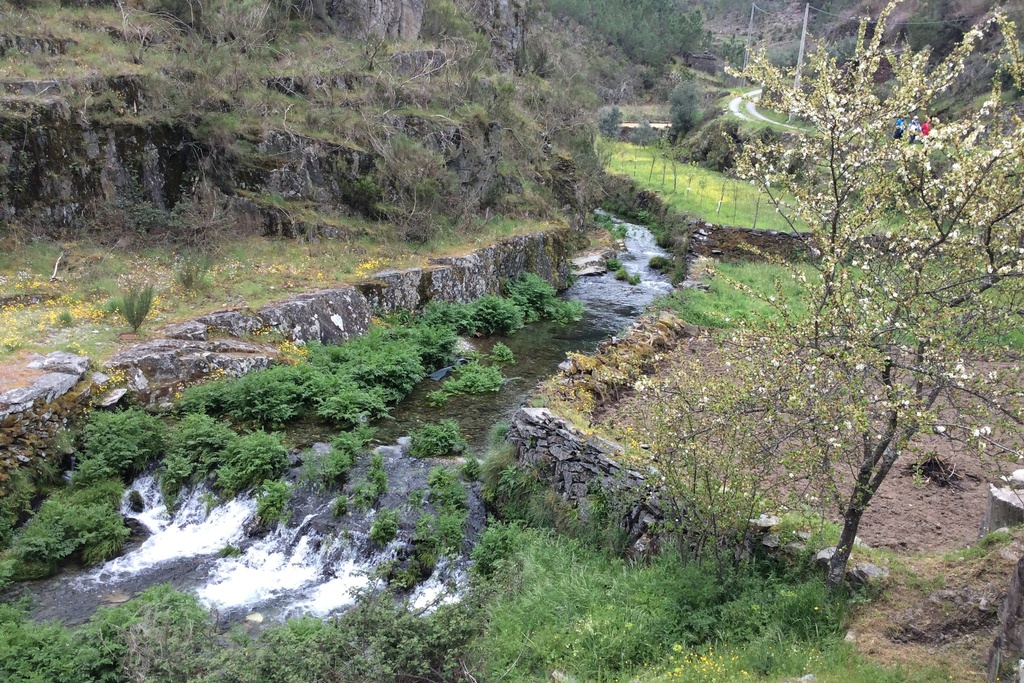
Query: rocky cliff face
[58,168]
[396,19]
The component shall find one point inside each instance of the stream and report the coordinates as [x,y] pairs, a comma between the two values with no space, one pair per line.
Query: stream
[314,563]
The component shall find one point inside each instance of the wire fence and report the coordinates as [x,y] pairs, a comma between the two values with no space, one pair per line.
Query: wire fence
[704,194]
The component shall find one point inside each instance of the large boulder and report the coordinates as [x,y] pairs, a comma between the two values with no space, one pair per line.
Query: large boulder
[157,369]
[329,316]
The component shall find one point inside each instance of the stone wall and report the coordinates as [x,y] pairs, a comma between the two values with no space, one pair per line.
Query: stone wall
[31,415]
[226,342]
[573,464]
[725,242]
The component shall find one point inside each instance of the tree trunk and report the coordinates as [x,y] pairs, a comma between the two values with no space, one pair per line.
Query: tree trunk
[837,563]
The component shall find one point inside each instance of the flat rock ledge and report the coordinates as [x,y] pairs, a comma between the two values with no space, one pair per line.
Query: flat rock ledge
[31,415]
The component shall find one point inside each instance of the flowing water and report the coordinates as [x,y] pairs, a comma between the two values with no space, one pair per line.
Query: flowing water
[315,562]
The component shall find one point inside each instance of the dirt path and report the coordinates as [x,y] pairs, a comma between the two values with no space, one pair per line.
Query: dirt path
[749,112]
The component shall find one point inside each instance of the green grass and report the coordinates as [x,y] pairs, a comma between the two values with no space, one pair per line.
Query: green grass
[725,305]
[694,190]
[565,607]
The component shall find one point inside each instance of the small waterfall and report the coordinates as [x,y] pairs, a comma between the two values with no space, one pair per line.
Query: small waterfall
[290,571]
[191,532]
[316,564]
[444,587]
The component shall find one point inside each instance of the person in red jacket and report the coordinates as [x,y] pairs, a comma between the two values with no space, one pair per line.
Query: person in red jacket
[926,128]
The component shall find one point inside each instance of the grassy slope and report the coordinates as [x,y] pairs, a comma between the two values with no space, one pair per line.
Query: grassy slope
[218,89]
[694,190]
[242,272]
[566,608]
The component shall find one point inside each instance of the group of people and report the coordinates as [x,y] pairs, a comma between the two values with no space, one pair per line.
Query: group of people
[916,131]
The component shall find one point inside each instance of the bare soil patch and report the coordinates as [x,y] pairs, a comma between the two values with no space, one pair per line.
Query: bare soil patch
[15,375]
[912,511]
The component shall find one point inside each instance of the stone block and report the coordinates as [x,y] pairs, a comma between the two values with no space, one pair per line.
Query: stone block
[62,362]
[1005,508]
[191,330]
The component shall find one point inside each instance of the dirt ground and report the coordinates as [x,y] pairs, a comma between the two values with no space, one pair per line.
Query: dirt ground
[939,605]
[918,515]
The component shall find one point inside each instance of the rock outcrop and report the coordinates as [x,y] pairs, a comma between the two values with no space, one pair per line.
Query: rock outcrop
[157,368]
[31,415]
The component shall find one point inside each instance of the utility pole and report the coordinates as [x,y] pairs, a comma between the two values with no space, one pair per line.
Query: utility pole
[803,42]
[746,52]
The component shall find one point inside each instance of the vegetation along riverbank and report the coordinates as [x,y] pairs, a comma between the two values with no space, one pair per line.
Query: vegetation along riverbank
[340,414]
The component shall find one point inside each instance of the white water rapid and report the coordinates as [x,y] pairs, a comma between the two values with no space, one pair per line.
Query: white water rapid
[287,572]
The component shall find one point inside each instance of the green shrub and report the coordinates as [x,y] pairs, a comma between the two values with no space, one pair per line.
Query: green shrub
[134,306]
[660,263]
[494,315]
[375,485]
[439,314]
[610,122]
[471,468]
[267,398]
[495,549]
[346,403]
[272,500]
[339,506]
[448,497]
[207,398]
[20,490]
[82,522]
[380,359]
[624,275]
[118,445]
[613,264]
[250,461]
[378,639]
[686,107]
[539,300]
[446,491]
[193,271]
[448,527]
[502,355]
[436,440]
[473,378]
[436,345]
[195,447]
[37,653]
[384,527]
[377,476]
[331,469]
[230,550]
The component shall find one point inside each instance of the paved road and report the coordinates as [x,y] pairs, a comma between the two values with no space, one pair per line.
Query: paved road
[750,112]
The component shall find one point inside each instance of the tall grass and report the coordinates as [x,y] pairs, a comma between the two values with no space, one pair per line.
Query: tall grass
[564,607]
[727,305]
[697,191]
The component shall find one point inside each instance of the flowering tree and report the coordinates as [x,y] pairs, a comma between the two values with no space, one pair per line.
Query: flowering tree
[918,257]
